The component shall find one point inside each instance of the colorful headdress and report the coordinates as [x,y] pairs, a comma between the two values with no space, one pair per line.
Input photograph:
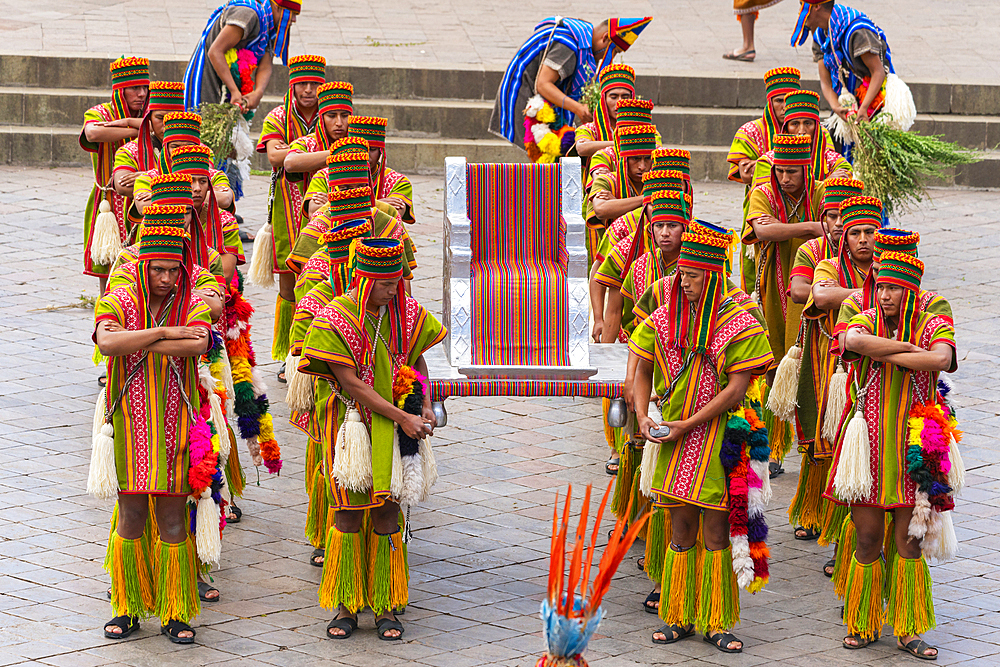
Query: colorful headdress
[673,159]
[708,252]
[347,165]
[125,73]
[632,141]
[335,96]
[623,33]
[162,234]
[289,8]
[178,126]
[369,128]
[380,259]
[662,179]
[781,81]
[801,104]
[855,211]
[792,149]
[207,233]
[898,268]
[354,204]
[633,111]
[612,76]
[306,69]
[800,33]
[889,239]
[195,160]
[665,205]
[338,244]
[163,96]
[171,190]
[837,190]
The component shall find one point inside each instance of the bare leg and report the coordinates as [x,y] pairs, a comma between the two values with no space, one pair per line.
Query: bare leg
[907,548]
[347,521]
[171,515]
[746,23]
[286,286]
[869,525]
[385,520]
[684,533]
[716,534]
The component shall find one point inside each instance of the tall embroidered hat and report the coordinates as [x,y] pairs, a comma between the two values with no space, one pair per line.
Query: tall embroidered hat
[163,96]
[128,72]
[837,190]
[855,211]
[306,69]
[162,234]
[781,81]
[633,111]
[906,271]
[335,96]
[195,160]
[380,259]
[353,204]
[792,149]
[338,244]
[673,159]
[801,104]
[613,76]
[207,232]
[889,239]
[171,190]
[369,128]
[347,164]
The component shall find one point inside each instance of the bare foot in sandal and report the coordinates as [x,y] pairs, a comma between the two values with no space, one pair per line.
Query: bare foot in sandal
[916,647]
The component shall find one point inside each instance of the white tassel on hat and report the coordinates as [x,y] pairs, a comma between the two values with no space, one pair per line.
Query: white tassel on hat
[853,479]
[352,460]
[647,468]
[300,386]
[102,479]
[836,401]
[783,397]
[956,476]
[261,271]
[106,240]
[207,540]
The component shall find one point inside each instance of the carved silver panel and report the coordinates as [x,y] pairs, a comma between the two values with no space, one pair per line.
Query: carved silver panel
[577,270]
[457,269]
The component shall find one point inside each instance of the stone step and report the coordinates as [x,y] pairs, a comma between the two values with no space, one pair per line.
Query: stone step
[467,119]
[390,80]
[54,147]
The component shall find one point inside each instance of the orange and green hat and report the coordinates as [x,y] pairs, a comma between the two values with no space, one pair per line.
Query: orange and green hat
[306,69]
[836,190]
[181,126]
[380,259]
[173,189]
[369,128]
[801,104]
[162,235]
[792,149]
[893,239]
[673,159]
[632,111]
[861,211]
[781,81]
[634,140]
[708,252]
[166,96]
[899,268]
[661,179]
[352,204]
[192,159]
[335,96]
[348,170]
[617,75]
[338,244]
[670,206]
[128,72]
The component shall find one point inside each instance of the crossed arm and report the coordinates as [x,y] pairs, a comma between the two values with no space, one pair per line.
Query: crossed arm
[939,358]
[115,341]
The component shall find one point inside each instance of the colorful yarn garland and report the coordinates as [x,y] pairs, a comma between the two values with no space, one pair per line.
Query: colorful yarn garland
[542,141]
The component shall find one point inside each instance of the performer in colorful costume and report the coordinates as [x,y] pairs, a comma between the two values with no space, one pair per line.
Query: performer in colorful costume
[106,127]
[153,332]
[367,349]
[617,83]
[702,351]
[896,452]
[248,34]
[390,186]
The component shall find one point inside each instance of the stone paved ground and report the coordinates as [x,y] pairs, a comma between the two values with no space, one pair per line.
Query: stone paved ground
[479,552]
[931,41]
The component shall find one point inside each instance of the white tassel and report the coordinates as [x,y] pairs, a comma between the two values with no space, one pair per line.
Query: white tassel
[853,479]
[261,271]
[413,488]
[783,399]
[227,377]
[106,240]
[102,480]
[836,402]
[762,471]
[219,422]
[300,395]
[259,386]
[428,464]
[899,110]
[253,445]
[396,479]
[948,539]
[922,520]
[647,468]
[207,540]
[956,476]
[750,251]
[742,562]
[352,461]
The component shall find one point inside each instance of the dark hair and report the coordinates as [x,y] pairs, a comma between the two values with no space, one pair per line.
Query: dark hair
[604,23]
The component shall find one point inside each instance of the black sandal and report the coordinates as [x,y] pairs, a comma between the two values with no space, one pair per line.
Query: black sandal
[673,633]
[809,535]
[828,568]
[774,469]
[861,641]
[128,624]
[384,625]
[281,374]
[917,648]
[347,624]
[613,461]
[640,563]
[102,380]
[204,588]
[652,597]
[173,628]
[317,553]
[237,512]
[722,640]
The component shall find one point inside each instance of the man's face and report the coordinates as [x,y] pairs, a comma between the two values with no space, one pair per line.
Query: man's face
[861,242]
[778,107]
[305,95]
[790,179]
[162,277]
[156,123]
[177,143]
[188,217]
[135,98]
[692,282]
[374,162]
[801,126]
[335,124]
[638,165]
[834,224]
[199,190]
[667,236]
[818,17]
[611,100]
[382,292]
[889,297]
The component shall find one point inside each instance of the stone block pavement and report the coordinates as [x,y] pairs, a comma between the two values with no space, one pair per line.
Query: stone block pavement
[931,41]
[479,555]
